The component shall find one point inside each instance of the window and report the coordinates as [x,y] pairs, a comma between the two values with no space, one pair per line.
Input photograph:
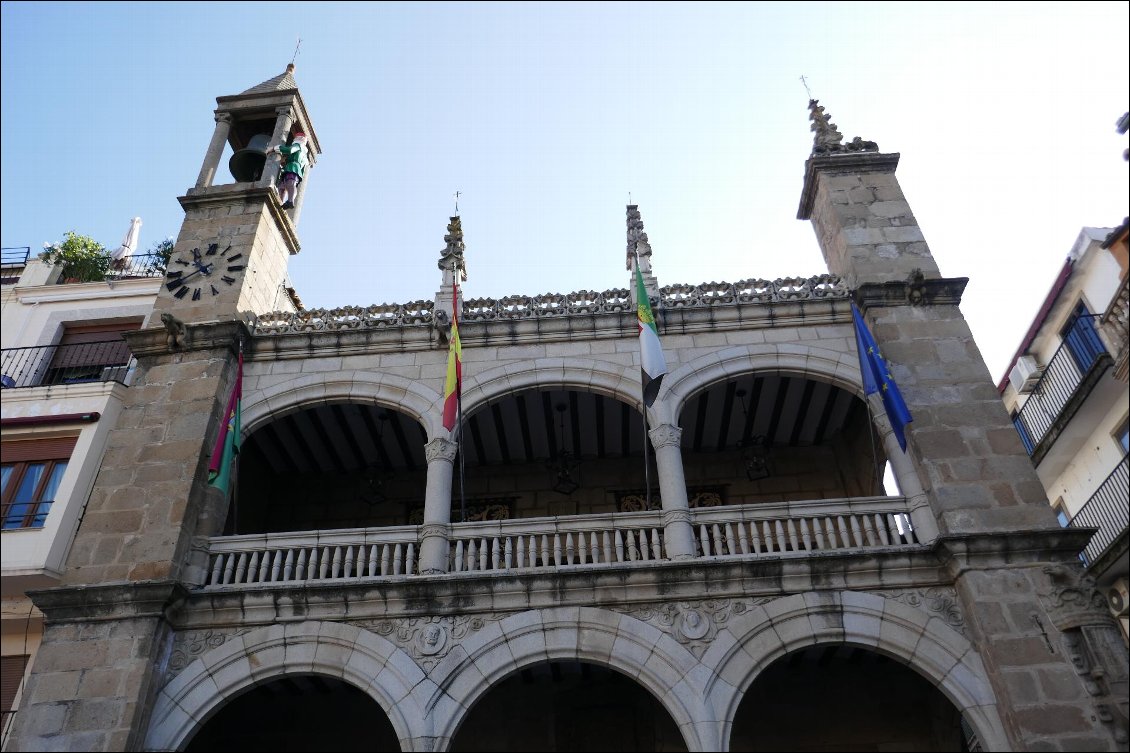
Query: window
[1081,337]
[1122,436]
[1022,430]
[11,675]
[30,474]
[90,352]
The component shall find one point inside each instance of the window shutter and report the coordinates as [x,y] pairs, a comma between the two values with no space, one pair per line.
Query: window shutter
[57,448]
[11,674]
[110,349]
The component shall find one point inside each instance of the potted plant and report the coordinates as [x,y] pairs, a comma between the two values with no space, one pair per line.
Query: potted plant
[83,259]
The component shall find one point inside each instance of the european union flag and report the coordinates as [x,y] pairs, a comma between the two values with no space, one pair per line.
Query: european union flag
[877,378]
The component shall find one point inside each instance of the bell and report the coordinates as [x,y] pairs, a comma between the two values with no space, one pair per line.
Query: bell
[246,165]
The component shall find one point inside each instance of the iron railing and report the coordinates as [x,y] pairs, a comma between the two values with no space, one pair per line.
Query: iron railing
[41,365]
[138,265]
[1073,360]
[15,255]
[1107,511]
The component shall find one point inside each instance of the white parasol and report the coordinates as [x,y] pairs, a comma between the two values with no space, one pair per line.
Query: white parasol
[129,244]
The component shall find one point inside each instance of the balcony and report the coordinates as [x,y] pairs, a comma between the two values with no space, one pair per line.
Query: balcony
[1070,375]
[49,365]
[633,540]
[12,264]
[1107,511]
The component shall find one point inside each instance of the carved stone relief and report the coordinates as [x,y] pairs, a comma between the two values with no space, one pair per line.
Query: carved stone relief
[694,624]
[940,601]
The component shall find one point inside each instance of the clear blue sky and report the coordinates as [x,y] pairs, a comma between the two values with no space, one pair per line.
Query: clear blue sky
[546,116]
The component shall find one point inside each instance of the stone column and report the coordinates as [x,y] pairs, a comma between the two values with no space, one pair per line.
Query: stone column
[921,516]
[294,213]
[678,536]
[215,150]
[283,123]
[437,506]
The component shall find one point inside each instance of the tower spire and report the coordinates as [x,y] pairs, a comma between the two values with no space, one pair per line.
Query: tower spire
[827,138]
[639,248]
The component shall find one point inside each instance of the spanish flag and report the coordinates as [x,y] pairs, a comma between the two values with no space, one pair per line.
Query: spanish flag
[454,384]
[227,443]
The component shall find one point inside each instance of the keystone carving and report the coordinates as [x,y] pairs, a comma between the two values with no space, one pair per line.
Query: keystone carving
[938,600]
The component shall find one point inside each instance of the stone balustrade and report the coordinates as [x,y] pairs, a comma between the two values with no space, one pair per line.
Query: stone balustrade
[307,556]
[634,538]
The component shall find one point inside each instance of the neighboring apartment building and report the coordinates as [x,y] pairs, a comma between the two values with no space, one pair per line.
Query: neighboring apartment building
[64,370]
[1066,390]
[378,582]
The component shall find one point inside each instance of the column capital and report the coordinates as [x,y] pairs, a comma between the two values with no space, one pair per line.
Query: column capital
[665,435]
[223,117]
[440,449]
[287,111]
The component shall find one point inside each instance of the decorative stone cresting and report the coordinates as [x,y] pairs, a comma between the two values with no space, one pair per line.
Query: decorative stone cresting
[828,139]
[638,244]
[581,303]
[692,623]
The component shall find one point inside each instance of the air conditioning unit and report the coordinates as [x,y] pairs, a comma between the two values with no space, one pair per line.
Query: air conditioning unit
[116,374]
[1118,598]
[1025,374]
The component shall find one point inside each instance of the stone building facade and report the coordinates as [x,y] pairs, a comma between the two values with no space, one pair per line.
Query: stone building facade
[531,591]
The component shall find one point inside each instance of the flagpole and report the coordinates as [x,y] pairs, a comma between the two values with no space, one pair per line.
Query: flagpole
[459,440]
[643,404]
[235,464]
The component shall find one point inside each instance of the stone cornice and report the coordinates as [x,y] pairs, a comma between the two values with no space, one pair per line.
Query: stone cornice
[267,101]
[108,602]
[986,551]
[247,193]
[87,291]
[942,291]
[839,164]
[153,341]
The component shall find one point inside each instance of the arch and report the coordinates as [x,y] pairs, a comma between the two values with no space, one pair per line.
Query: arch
[925,643]
[405,395]
[359,657]
[638,650]
[839,369]
[601,377]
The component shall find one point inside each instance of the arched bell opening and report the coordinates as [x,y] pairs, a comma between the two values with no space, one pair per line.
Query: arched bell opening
[567,705]
[836,697]
[774,437]
[333,465]
[302,712]
[543,452]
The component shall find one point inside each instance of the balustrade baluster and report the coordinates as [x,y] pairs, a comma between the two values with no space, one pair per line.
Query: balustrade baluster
[410,568]
[731,539]
[397,558]
[300,567]
[790,525]
[656,544]
[570,552]
[253,568]
[645,550]
[335,570]
[869,534]
[347,570]
[217,569]
[704,540]
[755,534]
[619,545]
[633,549]
[532,551]
[288,565]
[459,556]
[805,536]
[324,562]
[606,541]
[767,536]
[495,553]
[386,553]
[782,543]
[743,537]
[484,552]
[857,535]
[544,550]
[881,527]
[472,554]
[521,551]
[276,565]
[314,564]
[845,537]
[509,552]
[716,539]
[241,567]
[582,550]
[371,561]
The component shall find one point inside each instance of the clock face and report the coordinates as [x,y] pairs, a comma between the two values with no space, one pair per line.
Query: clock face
[199,273]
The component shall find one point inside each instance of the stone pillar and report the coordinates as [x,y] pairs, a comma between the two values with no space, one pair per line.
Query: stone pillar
[921,516]
[283,123]
[215,150]
[437,506]
[678,536]
[294,213]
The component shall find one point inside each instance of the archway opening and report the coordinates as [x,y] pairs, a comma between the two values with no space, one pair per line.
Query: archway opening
[773,437]
[845,698]
[333,465]
[568,705]
[298,713]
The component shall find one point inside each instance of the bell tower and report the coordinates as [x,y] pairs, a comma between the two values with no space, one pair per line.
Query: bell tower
[230,258]
[108,624]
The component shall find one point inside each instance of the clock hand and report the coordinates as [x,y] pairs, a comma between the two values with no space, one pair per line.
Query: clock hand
[174,284]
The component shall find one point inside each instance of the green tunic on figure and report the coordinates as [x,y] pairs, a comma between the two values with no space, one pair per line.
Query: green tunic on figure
[294,158]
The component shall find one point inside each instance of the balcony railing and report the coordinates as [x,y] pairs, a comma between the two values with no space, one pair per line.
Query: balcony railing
[560,543]
[1106,510]
[1065,372]
[12,263]
[41,365]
